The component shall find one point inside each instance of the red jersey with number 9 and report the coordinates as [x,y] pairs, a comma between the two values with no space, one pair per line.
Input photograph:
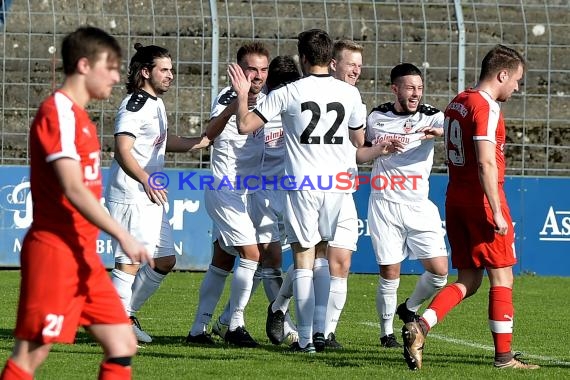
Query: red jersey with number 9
[62,129]
[472,116]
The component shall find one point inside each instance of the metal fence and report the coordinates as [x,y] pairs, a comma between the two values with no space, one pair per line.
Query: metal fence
[447,39]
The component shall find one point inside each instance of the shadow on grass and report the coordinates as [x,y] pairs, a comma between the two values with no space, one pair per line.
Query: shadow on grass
[6,333]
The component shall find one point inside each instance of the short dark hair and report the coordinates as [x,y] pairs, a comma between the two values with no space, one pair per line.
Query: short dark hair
[500,58]
[257,48]
[87,42]
[144,58]
[402,70]
[282,69]
[350,45]
[316,46]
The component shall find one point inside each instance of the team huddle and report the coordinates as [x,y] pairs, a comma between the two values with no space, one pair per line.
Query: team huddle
[301,119]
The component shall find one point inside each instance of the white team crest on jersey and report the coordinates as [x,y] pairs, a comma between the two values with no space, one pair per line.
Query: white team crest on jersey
[408,126]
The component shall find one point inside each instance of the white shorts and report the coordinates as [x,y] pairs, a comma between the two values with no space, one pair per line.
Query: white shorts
[311,216]
[148,224]
[398,231]
[231,214]
[346,235]
[267,207]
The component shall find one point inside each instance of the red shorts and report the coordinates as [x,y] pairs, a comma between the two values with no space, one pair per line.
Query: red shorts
[473,241]
[62,289]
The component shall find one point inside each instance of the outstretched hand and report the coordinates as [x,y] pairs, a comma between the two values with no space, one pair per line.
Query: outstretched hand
[240,82]
[204,142]
[390,146]
[430,132]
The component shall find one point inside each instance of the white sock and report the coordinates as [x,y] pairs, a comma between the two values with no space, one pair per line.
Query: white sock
[285,292]
[225,317]
[430,317]
[242,283]
[426,287]
[322,285]
[305,304]
[272,281]
[210,292]
[123,282]
[337,299]
[145,285]
[386,303]
[289,325]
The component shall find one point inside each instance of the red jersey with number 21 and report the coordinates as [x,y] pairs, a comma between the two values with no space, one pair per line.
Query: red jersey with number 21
[472,116]
[62,129]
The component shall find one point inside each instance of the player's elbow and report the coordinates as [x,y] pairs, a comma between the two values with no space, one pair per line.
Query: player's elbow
[242,130]
[486,166]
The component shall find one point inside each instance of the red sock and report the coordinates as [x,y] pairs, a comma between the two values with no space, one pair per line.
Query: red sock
[501,313]
[13,372]
[114,371]
[445,300]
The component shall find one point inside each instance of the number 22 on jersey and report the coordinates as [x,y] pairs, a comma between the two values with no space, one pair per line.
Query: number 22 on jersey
[329,137]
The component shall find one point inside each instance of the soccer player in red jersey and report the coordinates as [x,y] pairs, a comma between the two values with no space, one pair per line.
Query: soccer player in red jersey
[63,281]
[479,225]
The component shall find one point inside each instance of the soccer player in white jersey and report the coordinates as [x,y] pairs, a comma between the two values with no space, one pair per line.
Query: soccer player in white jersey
[320,114]
[228,203]
[330,272]
[141,139]
[403,222]
[346,65]
[267,203]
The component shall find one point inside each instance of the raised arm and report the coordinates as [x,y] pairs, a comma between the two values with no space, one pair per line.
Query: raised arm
[184,144]
[246,121]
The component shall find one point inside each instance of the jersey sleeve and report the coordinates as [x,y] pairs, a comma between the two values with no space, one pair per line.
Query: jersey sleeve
[127,122]
[56,131]
[357,118]
[275,103]
[486,120]
[224,98]
[437,120]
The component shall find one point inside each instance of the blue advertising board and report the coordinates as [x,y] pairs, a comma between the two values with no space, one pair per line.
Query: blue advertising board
[191,224]
[539,207]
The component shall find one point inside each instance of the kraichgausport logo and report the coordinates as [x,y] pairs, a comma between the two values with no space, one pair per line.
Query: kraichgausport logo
[341,182]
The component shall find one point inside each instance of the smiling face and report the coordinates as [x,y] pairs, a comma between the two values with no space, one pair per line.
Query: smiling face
[255,67]
[408,90]
[161,76]
[348,67]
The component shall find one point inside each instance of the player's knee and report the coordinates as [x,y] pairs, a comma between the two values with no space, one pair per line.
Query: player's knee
[165,264]
[339,268]
[387,286]
[223,260]
[29,356]
[438,281]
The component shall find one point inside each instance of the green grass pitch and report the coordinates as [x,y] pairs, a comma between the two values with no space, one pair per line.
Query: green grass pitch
[458,348]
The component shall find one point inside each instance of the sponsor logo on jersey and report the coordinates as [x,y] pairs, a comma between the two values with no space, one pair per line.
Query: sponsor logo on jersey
[274,135]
